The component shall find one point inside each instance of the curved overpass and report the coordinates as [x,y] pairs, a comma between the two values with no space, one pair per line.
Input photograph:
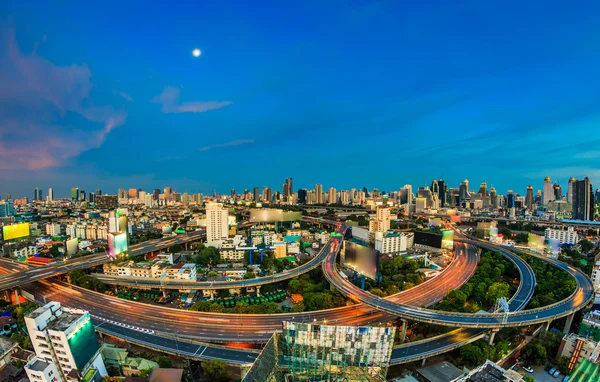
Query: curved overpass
[583,294]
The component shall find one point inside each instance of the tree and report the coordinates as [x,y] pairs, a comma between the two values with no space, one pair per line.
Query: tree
[250,275]
[507,233]
[377,292]
[496,291]
[563,365]
[164,361]
[586,245]
[528,378]
[22,339]
[212,274]
[216,370]
[534,352]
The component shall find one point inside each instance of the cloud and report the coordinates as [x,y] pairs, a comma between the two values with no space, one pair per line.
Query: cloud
[47,114]
[169,100]
[126,96]
[237,142]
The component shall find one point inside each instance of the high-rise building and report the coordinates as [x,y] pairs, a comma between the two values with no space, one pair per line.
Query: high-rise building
[217,228]
[288,190]
[510,199]
[548,191]
[302,196]
[256,195]
[74,194]
[92,197]
[107,202]
[132,193]
[332,196]
[435,188]
[443,192]
[7,208]
[570,190]
[406,194]
[557,191]
[98,192]
[464,191]
[382,221]
[168,191]
[482,189]
[529,198]
[50,194]
[319,193]
[121,194]
[583,200]
[36,194]
[233,193]
[493,197]
[65,345]
[82,195]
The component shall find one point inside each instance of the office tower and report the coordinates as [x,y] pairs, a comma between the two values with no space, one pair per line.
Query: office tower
[168,191]
[156,194]
[132,193]
[319,193]
[74,194]
[82,195]
[121,194]
[92,197]
[302,196]
[435,188]
[256,195]
[510,199]
[65,345]
[7,197]
[443,192]
[50,194]
[493,197]
[36,194]
[366,191]
[233,193]
[482,189]
[332,196]
[7,208]
[557,191]
[217,228]
[149,200]
[344,197]
[269,195]
[570,190]
[40,195]
[406,195]
[583,200]
[288,190]
[464,191]
[529,198]
[98,192]
[548,191]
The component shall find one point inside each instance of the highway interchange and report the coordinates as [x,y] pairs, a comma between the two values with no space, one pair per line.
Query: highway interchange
[178,332]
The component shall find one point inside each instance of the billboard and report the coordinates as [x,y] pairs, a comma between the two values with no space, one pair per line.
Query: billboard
[267,215]
[428,239]
[448,239]
[553,246]
[435,222]
[117,244]
[15,231]
[363,260]
[536,242]
[72,246]
[455,218]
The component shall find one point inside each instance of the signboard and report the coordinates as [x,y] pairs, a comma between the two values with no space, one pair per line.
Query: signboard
[15,231]
[267,215]
[435,222]
[428,239]
[72,246]
[448,239]
[363,260]
[117,244]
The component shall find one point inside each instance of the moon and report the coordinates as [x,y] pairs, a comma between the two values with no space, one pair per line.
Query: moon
[196,52]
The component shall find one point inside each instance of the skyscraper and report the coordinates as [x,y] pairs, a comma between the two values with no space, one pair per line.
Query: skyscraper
[583,200]
[510,199]
[74,194]
[98,192]
[256,195]
[167,192]
[435,188]
[464,191]
[570,190]
[548,191]
[557,191]
[529,198]
[493,197]
[82,195]
[36,194]
[319,193]
[302,193]
[443,192]
[50,194]
[406,194]
[482,189]
[156,194]
[332,196]
[217,224]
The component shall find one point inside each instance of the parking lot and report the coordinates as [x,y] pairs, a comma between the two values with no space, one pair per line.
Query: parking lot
[541,375]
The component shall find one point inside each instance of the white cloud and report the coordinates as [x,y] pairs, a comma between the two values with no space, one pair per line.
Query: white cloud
[237,142]
[169,100]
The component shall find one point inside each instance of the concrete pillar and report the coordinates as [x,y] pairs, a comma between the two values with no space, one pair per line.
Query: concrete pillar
[164,293]
[492,336]
[545,329]
[17,296]
[568,323]
[423,362]
[258,291]
[403,335]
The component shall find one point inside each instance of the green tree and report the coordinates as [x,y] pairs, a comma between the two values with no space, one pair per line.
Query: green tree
[496,291]
[216,370]
[528,378]
[164,361]
[563,365]
[506,232]
[22,339]
[586,245]
[534,352]
[377,292]
[212,274]
[249,275]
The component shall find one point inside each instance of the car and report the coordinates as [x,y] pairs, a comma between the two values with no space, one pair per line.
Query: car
[566,378]
[528,369]
[556,373]
[552,371]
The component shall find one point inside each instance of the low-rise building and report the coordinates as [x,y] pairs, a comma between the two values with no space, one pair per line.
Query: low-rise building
[181,272]
[568,236]
[280,249]
[26,251]
[578,348]
[393,242]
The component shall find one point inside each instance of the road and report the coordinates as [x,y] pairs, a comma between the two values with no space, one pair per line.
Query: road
[583,294]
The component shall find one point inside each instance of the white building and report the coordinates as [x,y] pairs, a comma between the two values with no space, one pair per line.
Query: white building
[53,229]
[64,342]
[392,242]
[27,251]
[217,228]
[568,236]
[181,272]
[596,275]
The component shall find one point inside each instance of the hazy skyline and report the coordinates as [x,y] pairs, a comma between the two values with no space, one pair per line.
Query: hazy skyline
[344,94]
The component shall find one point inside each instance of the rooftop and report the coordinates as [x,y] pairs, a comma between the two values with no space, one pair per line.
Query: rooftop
[37,364]
[440,372]
[64,321]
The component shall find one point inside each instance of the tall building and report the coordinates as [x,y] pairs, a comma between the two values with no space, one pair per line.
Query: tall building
[319,193]
[483,189]
[256,195]
[132,193]
[74,194]
[98,192]
[493,197]
[92,197]
[332,196]
[583,200]
[121,194]
[7,208]
[443,193]
[65,345]
[82,195]
[406,194]
[557,191]
[529,198]
[570,190]
[510,199]
[464,191]
[288,190]
[435,187]
[302,196]
[217,228]
[548,191]
[50,194]
[37,194]
[168,191]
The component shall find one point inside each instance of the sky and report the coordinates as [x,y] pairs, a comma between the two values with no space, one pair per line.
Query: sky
[344,93]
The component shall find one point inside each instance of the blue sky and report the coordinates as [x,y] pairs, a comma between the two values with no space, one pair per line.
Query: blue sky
[346,93]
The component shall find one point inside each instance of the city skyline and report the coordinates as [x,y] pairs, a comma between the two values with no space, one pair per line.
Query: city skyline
[385,91]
